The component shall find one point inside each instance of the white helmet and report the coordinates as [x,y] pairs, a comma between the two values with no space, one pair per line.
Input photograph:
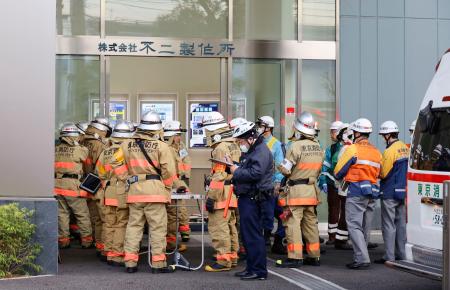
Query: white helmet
[246,129]
[361,125]
[101,124]
[172,128]
[82,126]
[336,125]
[388,127]
[305,124]
[413,126]
[267,121]
[123,129]
[69,130]
[342,128]
[214,121]
[236,122]
[150,121]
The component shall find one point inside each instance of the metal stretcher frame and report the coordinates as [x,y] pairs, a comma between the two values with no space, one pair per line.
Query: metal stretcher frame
[176,197]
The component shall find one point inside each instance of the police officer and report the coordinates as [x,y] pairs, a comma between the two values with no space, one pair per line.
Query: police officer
[302,166]
[96,141]
[253,184]
[172,135]
[266,125]
[359,166]
[116,207]
[327,184]
[394,167]
[221,228]
[151,167]
[69,159]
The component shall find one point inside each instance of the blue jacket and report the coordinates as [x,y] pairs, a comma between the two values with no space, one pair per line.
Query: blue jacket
[277,152]
[255,171]
[394,167]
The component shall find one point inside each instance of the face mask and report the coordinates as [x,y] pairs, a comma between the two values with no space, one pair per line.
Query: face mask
[244,149]
[297,135]
[261,130]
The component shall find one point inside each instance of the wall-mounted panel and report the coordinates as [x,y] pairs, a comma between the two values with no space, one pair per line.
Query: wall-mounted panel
[391,8]
[444,9]
[369,7]
[443,36]
[350,7]
[421,8]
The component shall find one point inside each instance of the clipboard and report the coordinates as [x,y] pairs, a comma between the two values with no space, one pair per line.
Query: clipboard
[223,162]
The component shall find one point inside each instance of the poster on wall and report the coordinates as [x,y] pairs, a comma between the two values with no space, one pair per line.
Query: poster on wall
[197,136]
[117,111]
[165,110]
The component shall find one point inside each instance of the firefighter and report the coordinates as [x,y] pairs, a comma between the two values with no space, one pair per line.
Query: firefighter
[394,167]
[69,159]
[301,166]
[253,180]
[96,141]
[222,229]
[412,127]
[149,163]
[172,135]
[266,124]
[116,208]
[359,166]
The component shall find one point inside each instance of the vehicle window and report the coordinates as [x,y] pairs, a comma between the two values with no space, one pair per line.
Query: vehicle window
[430,149]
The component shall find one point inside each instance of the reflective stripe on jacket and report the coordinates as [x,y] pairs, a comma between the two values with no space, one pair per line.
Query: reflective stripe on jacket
[274,146]
[394,168]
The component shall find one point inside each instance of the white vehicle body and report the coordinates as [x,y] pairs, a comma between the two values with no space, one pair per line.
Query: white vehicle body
[429,167]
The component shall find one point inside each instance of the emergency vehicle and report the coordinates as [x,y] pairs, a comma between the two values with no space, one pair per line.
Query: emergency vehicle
[429,167]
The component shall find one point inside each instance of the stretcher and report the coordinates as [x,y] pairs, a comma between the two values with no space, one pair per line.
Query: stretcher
[179,261]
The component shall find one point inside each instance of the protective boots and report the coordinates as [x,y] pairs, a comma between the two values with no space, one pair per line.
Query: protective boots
[289,263]
[278,247]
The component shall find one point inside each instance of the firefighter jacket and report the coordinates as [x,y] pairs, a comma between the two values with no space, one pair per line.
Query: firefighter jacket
[394,167]
[220,177]
[183,163]
[147,183]
[301,166]
[331,158]
[114,188]
[255,171]
[69,159]
[276,148]
[359,166]
[96,142]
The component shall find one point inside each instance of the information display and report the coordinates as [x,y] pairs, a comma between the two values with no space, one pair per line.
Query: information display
[197,135]
[164,109]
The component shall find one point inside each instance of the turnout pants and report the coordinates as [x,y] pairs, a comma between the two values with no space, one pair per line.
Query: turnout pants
[393,226]
[78,206]
[334,208]
[156,216]
[116,220]
[183,215]
[252,235]
[96,223]
[359,215]
[183,222]
[302,222]
[342,231]
[221,231]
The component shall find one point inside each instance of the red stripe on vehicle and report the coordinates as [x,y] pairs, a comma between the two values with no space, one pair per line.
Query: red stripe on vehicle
[427,177]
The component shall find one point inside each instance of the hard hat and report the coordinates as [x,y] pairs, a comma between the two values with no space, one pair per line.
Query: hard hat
[267,121]
[305,124]
[244,130]
[213,121]
[101,124]
[150,121]
[361,125]
[413,126]
[388,127]
[236,122]
[82,126]
[342,128]
[69,130]
[336,125]
[123,129]
[172,128]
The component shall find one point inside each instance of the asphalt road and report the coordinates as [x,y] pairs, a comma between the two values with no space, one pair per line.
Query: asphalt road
[81,270]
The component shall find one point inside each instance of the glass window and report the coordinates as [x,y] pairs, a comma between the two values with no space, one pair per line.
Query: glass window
[319,20]
[265,87]
[431,146]
[78,17]
[265,19]
[169,18]
[318,94]
[77,86]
